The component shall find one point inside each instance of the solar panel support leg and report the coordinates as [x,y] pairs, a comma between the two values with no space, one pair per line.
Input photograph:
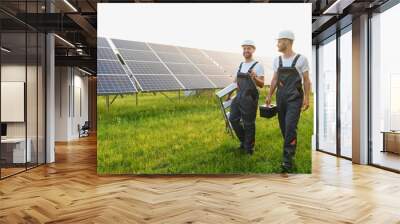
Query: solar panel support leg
[108,103]
[136,99]
[112,101]
[166,96]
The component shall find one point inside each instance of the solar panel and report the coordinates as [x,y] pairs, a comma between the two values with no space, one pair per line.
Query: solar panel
[147,67]
[160,67]
[221,81]
[164,48]
[157,82]
[174,58]
[225,57]
[195,82]
[114,84]
[106,53]
[111,76]
[189,50]
[138,55]
[102,42]
[183,69]
[211,70]
[199,58]
[109,67]
[126,44]
[229,62]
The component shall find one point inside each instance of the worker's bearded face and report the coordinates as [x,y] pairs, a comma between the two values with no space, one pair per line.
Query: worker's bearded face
[248,51]
[284,44]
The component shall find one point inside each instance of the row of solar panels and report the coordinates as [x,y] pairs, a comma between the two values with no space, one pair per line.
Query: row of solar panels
[156,67]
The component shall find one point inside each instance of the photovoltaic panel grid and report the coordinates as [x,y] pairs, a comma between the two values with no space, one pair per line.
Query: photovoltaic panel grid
[228,61]
[114,84]
[181,67]
[208,67]
[147,69]
[111,76]
[160,67]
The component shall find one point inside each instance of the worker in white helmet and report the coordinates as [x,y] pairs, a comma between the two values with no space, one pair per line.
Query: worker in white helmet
[290,76]
[250,75]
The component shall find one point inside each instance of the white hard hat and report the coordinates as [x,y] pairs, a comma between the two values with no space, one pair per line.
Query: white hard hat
[286,34]
[249,43]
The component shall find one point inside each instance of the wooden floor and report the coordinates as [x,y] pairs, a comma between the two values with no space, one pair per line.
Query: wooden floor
[69,191]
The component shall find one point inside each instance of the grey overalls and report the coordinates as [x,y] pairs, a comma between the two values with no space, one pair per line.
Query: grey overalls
[289,97]
[244,106]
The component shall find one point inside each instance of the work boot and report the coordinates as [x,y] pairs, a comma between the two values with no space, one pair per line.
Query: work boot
[286,167]
[250,151]
[241,147]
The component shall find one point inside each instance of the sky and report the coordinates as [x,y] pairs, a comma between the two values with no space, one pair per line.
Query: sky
[208,26]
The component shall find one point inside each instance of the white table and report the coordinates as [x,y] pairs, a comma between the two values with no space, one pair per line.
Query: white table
[19,153]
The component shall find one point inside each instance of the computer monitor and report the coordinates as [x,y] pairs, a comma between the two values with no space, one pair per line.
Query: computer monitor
[3,129]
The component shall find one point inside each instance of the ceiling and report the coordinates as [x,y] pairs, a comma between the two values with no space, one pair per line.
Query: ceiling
[76,21]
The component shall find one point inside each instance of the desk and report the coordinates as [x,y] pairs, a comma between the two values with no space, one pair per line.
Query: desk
[13,150]
[391,141]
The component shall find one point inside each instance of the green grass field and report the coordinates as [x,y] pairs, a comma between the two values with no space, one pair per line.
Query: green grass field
[160,136]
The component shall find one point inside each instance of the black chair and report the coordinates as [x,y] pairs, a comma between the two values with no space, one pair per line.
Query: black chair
[84,130]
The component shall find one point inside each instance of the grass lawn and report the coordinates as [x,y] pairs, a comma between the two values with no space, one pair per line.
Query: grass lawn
[160,136]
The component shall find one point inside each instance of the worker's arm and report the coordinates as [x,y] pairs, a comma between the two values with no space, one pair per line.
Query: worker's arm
[259,80]
[307,87]
[271,89]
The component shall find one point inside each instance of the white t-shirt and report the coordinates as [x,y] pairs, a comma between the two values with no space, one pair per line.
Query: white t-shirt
[258,68]
[301,64]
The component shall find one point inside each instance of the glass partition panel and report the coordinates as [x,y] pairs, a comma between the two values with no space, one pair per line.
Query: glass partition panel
[41,98]
[31,99]
[385,84]
[14,153]
[346,94]
[327,97]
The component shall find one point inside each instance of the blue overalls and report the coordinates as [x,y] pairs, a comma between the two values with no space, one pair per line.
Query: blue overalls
[244,107]
[289,97]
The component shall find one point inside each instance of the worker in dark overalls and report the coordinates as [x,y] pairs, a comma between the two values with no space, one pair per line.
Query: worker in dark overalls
[290,75]
[244,106]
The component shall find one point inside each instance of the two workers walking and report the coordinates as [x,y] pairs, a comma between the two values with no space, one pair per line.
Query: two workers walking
[292,85]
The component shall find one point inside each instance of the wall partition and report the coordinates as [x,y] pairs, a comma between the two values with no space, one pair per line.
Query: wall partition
[385,89]
[22,101]
[326,113]
[345,60]
[334,96]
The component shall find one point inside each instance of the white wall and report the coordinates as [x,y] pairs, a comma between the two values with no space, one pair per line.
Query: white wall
[70,83]
[16,73]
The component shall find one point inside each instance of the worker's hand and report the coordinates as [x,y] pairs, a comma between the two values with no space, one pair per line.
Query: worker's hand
[306,104]
[253,74]
[268,100]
